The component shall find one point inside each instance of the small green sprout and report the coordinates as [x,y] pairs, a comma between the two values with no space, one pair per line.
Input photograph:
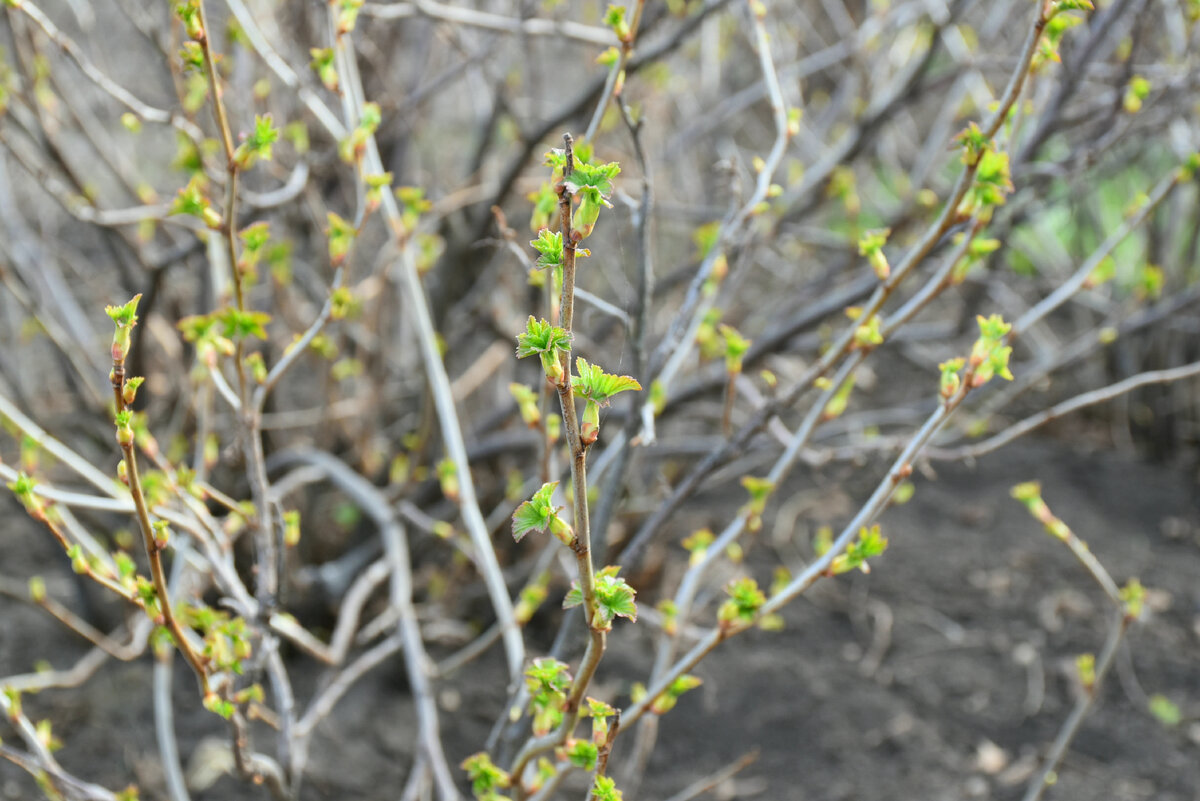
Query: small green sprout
[1030,494]
[188,12]
[869,334]
[666,702]
[547,680]
[707,339]
[546,341]
[592,184]
[615,19]
[343,304]
[760,490]
[840,400]
[989,356]
[487,780]
[599,712]
[192,201]
[531,597]
[605,789]
[973,143]
[1165,710]
[745,599]
[950,381]
[322,64]
[736,346]
[527,404]
[37,589]
[258,144]
[347,14]
[1133,596]
[192,58]
[1056,28]
[992,183]
[354,147]
[597,387]
[539,514]
[447,473]
[413,204]
[697,544]
[218,705]
[1137,91]
[977,250]
[614,598]
[870,543]
[341,238]
[582,753]
[549,246]
[1085,667]
[237,324]
[124,319]
[871,245]
[376,183]
[545,204]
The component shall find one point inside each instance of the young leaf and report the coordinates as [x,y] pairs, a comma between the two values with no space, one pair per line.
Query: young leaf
[545,341]
[870,543]
[596,387]
[583,754]
[486,779]
[539,514]
[745,599]
[614,598]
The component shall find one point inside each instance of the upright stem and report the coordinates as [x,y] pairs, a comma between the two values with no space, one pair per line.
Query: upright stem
[250,412]
[581,544]
[566,395]
[153,551]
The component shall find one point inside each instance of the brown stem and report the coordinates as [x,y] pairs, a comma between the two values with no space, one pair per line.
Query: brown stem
[251,414]
[581,545]
[153,552]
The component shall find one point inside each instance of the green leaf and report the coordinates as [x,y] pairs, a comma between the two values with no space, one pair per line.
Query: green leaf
[545,341]
[989,355]
[258,144]
[614,598]
[666,702]
[595,385]
[527,404]
[1133,595]
[583,754]
[539,514]
[237,324]
[322,64]
[605,789]
[949,382]
[1165,710]
[736,346]
[745,599]
[192,201]
[547,675]
[341,238]
[594,176]
[547,680]
[870,244]
[870,543]
[485,777]
[549,245]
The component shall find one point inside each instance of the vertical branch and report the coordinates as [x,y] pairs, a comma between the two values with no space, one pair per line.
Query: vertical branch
[151,542]
[265,542]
